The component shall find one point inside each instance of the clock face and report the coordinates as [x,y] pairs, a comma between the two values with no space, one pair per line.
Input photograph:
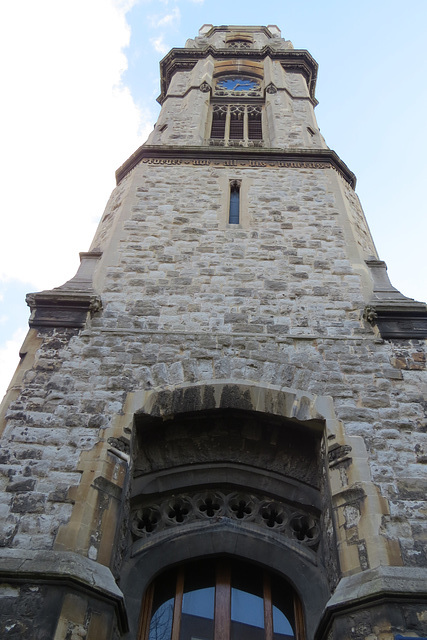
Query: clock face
[237,84]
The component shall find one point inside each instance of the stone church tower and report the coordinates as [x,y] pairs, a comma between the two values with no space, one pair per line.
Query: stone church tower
[218,429]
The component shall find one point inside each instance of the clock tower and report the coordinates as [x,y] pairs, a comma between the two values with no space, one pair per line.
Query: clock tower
[217,428]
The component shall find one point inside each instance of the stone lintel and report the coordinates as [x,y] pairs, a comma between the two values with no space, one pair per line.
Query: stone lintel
[375,586]
[259,157]
[61,308]
[66,568]
[185,59]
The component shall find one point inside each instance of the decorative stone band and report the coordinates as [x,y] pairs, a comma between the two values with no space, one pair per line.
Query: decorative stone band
[235,143]
[181,509]
[237,157]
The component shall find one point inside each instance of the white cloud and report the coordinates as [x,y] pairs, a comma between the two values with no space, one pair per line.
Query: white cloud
[171,19]
[67,122]
[159,45]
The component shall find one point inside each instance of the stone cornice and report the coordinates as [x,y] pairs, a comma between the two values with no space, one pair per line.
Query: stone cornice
[185,59]
[63,568]
[395,315]
[372,587]
[254,157]
[62,308]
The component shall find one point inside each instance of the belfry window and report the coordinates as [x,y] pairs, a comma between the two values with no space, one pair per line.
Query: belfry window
[236,124]
[220,599]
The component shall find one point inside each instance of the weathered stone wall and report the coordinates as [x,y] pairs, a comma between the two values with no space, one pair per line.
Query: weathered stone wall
[187,298]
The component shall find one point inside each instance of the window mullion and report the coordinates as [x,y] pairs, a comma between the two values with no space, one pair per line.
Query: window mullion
[299,619]
[222,601]
[145,617]
[268,607]
[177,608]
[227,125]
[245,125]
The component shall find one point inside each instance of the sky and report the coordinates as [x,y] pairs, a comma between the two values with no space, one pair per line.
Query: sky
[79,84]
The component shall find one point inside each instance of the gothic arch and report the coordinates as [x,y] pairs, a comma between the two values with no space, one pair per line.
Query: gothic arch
[226,539]
[161,542]
[292,404]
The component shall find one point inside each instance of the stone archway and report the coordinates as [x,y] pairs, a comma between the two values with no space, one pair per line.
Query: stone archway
[230,469]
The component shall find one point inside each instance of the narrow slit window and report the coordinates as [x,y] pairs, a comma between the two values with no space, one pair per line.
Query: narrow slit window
[234,215]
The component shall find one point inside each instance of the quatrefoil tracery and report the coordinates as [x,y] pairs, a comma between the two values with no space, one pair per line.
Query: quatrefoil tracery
[182,509]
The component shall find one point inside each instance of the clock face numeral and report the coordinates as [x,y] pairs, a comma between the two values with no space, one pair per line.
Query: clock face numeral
[237,84]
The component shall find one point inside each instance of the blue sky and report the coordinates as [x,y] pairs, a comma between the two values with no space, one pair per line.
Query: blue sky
[80,80]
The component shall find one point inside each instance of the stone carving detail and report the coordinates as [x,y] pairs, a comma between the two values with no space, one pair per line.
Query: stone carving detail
[271,88]
[121,444]
[339,454]
[303,527]
[370,315]
[239,44]
[205,87]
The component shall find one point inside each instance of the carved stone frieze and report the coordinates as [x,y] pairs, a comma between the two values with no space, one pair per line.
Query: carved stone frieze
[182,509]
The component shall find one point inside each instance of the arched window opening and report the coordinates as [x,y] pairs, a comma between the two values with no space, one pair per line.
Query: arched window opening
[234,213]
[220,599]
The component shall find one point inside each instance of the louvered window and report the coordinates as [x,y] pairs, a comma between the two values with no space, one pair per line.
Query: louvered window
[218,124]
[236,124]
[254,123]
[237,115]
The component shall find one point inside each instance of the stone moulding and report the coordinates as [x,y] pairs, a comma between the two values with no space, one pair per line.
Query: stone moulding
[58,308]
[235,156]
[380,584]
[185,59]
[395,315]
[68,568]
[69,304]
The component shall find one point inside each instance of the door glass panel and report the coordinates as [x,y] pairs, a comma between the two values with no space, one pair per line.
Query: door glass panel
[198,602]
[247,604]
[162,612]
[281,626]
[283,610]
